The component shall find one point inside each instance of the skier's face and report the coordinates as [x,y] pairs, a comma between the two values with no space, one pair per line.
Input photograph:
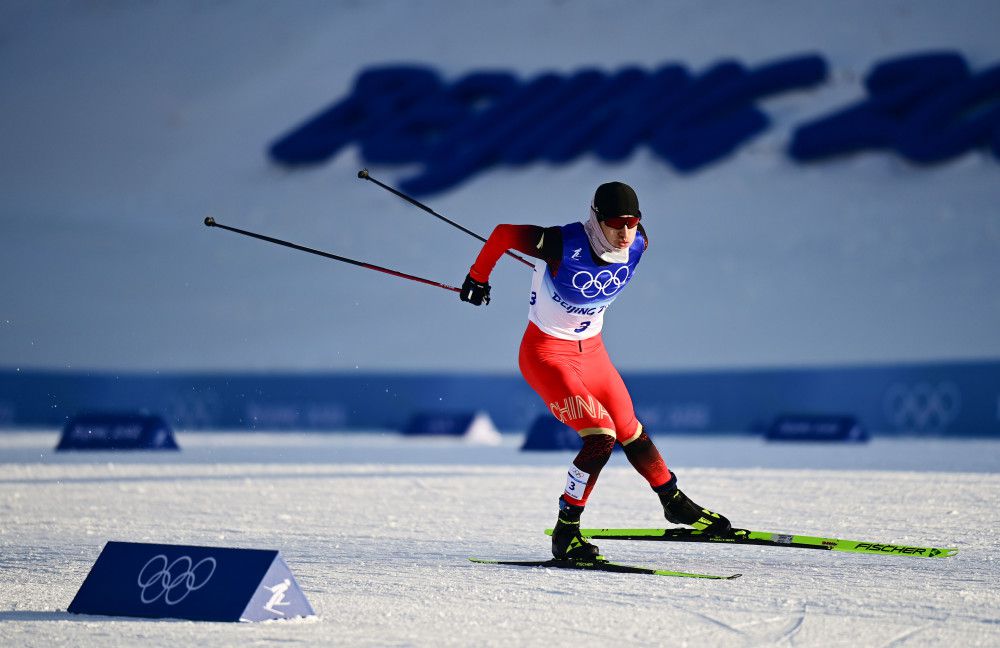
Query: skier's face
[621,237]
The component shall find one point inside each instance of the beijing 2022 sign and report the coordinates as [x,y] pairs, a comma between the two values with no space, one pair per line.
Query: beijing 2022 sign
[928,107]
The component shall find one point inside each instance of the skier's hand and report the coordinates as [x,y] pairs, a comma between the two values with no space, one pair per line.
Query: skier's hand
[475,292]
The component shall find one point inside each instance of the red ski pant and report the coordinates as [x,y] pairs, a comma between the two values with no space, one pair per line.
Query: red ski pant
[581,388]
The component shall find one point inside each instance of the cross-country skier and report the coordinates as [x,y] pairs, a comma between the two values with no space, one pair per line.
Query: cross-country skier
[563,358]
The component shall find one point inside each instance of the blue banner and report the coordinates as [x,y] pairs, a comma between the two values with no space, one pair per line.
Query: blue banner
[949,399]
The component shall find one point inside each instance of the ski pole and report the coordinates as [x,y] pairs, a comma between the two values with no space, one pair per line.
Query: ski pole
[210,222]
[364,175]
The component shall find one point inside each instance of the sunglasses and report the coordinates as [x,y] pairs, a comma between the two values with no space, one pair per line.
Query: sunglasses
[618,222]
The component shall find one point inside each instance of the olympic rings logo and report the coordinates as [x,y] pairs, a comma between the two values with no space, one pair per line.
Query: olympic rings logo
[173,581]
[922,407]
[605,282]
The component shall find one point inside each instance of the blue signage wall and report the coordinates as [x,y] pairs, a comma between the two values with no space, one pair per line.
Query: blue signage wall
[932,399]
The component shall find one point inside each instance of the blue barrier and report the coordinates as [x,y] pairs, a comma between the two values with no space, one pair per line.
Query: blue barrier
[816,427]
[549,433]
[117,431]
[939,399]
[188,582]
[474,427]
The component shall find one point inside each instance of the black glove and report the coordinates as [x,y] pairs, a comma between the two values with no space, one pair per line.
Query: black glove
[475,292]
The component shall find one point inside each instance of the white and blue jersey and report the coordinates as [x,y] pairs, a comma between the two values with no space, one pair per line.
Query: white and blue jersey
[571,304]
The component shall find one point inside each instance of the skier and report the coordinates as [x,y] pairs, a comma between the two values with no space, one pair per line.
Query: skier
[562,354]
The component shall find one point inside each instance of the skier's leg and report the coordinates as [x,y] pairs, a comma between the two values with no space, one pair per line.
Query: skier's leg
[552,368]
[642,453]
[605,381]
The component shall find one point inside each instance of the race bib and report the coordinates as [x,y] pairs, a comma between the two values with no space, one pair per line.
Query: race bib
[576,482]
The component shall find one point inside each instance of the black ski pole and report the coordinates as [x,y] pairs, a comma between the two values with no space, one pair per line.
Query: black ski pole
[364,175]
[210,222]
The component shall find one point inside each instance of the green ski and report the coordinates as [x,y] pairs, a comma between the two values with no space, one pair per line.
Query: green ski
[599,564]
[764,538]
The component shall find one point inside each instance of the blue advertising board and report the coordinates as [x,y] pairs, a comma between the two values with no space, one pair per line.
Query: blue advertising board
[816,427]
[117,431]
[190,582]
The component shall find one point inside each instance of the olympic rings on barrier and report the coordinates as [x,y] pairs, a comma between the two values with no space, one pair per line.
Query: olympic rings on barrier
[922,407]
[603,283]
[182,574]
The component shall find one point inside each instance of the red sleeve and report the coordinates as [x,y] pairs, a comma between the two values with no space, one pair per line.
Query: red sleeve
[523,238]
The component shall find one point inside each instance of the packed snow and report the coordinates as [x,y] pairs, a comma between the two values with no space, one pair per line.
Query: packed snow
[377,530]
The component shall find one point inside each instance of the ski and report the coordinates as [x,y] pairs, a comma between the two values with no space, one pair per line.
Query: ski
[768,539]
[599,564]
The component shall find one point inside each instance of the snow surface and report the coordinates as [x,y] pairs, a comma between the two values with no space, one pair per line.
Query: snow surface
[377,530]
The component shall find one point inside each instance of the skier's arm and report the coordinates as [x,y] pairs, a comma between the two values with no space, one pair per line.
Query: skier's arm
[539,242]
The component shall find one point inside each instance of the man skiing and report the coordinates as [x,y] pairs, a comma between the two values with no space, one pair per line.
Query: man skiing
[562,354]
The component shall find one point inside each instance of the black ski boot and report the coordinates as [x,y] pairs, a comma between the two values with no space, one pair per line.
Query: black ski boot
[567,543]
[679,509]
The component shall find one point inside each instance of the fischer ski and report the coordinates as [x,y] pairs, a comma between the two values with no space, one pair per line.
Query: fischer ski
[599,564]
[768,539]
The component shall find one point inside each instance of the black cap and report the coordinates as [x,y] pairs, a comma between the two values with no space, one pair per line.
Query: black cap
[615,199]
